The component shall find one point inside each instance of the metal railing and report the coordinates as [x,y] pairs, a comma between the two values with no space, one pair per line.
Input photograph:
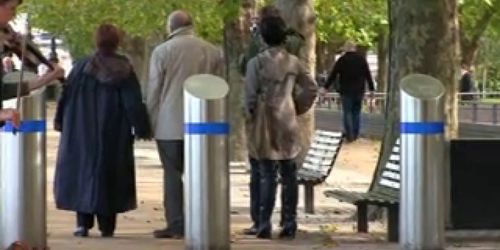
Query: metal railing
[480,108]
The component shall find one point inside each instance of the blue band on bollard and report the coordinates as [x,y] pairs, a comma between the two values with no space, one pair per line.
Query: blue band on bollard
[422,128]
[207,128]
[29,126]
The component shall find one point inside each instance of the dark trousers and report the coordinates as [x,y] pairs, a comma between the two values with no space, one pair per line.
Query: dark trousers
[268,171]
[254,191]
[351,109]
[172,158]
[107,223]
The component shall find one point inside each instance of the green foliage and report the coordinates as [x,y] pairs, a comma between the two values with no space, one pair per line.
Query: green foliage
[356,20]
[76,20]
[472,13]
[489,60]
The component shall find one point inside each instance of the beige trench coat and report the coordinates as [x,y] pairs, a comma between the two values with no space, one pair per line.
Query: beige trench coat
[172,62]
[278,89]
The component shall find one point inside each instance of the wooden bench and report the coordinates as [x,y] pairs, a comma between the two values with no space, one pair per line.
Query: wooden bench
[318,163]
[383,192]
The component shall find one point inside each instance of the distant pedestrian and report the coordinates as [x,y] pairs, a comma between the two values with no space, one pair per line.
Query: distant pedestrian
[352,73]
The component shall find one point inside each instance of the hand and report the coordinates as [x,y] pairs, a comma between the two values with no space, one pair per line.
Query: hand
[57,73]
[371,95]
[322,91]
[57,127]
[11,115]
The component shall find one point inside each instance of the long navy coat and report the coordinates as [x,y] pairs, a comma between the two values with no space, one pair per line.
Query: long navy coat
[99,114]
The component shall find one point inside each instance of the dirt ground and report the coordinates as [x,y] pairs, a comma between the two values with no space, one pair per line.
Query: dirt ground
[331,227]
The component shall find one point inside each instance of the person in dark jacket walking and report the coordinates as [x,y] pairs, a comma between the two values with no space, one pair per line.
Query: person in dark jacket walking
[352,73]
[99,114]
[467,84]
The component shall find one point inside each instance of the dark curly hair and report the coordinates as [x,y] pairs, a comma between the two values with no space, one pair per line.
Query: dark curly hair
[273,30]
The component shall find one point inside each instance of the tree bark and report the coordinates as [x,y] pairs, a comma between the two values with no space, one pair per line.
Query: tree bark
[424,39]
[382,58]
[236,34]
[138,50]
[300,15]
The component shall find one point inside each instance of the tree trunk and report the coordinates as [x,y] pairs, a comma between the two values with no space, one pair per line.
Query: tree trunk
[235,37]
[138,50]
[326,53]
[300,15]
[382,53]
[424,39]
[322,55]
[134,49]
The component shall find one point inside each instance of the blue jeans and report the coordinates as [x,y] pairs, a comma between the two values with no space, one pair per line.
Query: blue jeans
[268,171]
[351,109]
[254,191]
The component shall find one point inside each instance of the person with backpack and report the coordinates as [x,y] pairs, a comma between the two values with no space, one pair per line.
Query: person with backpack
[278,89]
[294,42]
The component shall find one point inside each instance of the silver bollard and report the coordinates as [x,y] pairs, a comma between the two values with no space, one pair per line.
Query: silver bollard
[422,218]
[23,176]
[206,178]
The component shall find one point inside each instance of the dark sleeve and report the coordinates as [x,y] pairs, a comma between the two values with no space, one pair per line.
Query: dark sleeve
[61,104]
[368,75]
[334,73]
[66,90]
[134,107]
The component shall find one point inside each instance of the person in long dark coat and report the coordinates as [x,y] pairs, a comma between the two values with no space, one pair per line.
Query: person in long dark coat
[99,114]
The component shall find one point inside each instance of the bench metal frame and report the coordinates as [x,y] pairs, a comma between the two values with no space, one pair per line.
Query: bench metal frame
[384,192]
[318,163]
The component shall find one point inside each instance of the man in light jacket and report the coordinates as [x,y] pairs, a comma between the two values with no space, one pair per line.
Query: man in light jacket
[172,62]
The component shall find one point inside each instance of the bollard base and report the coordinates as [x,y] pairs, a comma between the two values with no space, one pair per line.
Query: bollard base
[208,247]
[18,245]
[423,248]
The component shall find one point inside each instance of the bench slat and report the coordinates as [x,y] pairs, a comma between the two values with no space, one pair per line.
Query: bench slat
[319,146]
[319,161]
[331,151]
[392,166]
[327,140]
[345,196]
[391,175]
[306,166]
[389,183]
[395,157]
[328,133]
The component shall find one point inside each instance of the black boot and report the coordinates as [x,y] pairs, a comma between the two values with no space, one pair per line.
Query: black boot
[288,171]
[251,231]
[254,196]
[81,232]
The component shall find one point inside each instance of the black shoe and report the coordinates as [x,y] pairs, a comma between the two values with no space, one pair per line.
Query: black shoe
[107,234]
[287,234]
[250,231]
[168,233]
[81,232]
[264,234]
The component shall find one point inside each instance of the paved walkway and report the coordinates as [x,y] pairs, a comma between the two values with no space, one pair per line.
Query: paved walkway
[330,228]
